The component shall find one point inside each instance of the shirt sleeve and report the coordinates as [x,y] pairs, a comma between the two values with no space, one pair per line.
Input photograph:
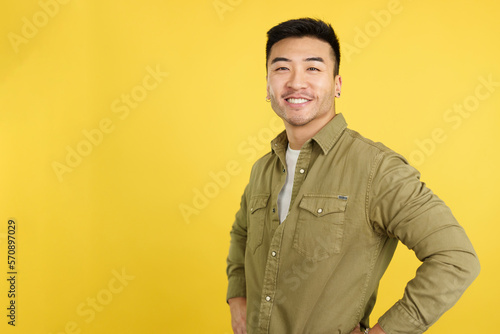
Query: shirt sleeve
[401,206]
[236,258]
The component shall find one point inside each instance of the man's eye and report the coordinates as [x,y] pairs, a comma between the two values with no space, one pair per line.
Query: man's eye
[281,69]
[313,69]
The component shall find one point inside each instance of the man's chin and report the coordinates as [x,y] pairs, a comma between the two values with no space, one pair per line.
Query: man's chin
[298,121]
[294,117]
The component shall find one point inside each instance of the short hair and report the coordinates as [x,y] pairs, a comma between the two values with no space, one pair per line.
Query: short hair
[304,27]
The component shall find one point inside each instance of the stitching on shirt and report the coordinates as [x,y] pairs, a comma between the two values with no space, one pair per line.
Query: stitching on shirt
[376,163]
[328,146]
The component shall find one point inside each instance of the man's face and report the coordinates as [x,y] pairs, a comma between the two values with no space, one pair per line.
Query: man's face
[300,80]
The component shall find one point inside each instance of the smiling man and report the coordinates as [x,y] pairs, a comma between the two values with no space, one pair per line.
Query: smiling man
[323,212]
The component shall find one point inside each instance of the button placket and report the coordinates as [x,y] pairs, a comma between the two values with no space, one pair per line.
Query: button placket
[270,279]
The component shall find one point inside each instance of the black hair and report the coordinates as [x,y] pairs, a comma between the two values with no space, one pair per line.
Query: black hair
[301,28]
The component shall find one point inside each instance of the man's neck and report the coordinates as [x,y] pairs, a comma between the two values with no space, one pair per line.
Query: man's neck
[298,135]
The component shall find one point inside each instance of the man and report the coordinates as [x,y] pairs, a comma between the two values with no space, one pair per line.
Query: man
[324,210]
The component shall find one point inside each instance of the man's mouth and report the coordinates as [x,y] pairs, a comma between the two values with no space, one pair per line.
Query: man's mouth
[296,101]
[292,100]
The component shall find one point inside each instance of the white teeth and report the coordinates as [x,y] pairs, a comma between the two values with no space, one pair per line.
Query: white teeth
[297,100]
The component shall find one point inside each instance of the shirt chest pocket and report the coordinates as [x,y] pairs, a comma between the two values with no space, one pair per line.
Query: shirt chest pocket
[320,226]
[256,221]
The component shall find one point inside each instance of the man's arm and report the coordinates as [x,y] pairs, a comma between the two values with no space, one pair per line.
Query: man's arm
[236,291]
[403,207]
[238,308]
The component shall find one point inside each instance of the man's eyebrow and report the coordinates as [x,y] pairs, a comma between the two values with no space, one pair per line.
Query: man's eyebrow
[315,59]
[277,59]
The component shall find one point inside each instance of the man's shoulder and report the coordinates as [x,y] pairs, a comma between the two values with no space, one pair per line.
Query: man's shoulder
[366,149]
[365,143]
[369,151]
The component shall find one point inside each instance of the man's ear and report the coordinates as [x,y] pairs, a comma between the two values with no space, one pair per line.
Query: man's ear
[268,96]
[338,85]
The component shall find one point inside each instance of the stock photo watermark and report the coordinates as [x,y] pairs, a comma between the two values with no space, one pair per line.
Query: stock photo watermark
[364,35]
[121,107]
[454,118]
[223,6]
[87,310]
[294,277]
[248,150]
[12,272]
[31,26]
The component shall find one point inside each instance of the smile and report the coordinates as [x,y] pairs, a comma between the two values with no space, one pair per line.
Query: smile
[296,101]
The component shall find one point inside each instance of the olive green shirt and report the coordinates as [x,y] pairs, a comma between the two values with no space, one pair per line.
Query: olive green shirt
[352,201]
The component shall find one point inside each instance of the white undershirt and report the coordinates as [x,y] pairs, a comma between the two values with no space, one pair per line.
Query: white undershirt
[285,195]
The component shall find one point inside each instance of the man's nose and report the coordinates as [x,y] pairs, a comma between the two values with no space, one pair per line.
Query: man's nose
[297,80]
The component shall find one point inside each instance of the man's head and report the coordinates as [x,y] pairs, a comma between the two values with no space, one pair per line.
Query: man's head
[305,27]
[302,79]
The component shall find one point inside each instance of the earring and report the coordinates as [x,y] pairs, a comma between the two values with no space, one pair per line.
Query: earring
[338,94]
[268,99]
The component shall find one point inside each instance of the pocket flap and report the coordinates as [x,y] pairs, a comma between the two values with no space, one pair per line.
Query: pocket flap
[320,205]
[258,202]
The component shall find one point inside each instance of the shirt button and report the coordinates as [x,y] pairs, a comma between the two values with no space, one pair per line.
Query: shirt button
[301,171]
[274,210]
[251,209]
[320,210]
[268,298]
[273,253]
[284,170]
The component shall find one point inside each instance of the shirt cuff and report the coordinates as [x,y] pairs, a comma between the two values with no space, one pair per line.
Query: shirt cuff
[397,320]
[236,287]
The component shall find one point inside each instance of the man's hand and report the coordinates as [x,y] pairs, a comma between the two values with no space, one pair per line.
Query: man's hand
[238,308]
[375,330]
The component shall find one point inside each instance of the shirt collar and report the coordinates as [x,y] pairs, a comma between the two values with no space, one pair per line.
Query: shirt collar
[325,138]
[330,133]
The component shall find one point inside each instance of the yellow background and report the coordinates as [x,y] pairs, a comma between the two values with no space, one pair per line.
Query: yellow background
[119,210]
